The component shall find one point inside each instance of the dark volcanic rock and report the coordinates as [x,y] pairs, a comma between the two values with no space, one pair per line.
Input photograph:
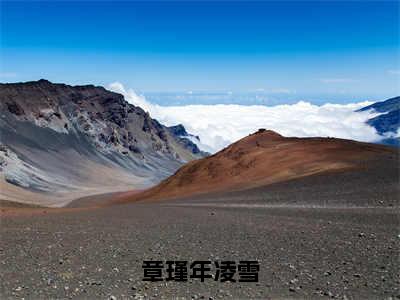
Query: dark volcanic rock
[42,122]
[186,139]
[178,130]
[388,123]
[384,106]
[15,109]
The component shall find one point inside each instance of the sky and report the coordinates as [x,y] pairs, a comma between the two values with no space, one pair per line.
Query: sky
[260,52]
[222,69]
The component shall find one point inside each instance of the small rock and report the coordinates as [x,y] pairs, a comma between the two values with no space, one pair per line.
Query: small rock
[328,293]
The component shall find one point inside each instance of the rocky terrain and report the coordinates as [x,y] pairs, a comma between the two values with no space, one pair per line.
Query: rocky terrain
[59,142]
[320,215]
[305,251]
[266,157]
[387,123]
[325,227]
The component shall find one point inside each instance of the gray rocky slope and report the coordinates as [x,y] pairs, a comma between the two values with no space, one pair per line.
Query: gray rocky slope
[60,142]
[387,124]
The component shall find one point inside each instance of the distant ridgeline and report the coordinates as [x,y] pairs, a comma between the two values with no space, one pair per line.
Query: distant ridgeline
[386,124]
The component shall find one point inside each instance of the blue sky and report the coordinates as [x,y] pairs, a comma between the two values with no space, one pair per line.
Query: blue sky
[327,51]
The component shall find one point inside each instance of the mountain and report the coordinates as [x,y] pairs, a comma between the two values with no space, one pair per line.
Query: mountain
[59,142]
[264,158]
[189,140]
[387,123]
[384,106]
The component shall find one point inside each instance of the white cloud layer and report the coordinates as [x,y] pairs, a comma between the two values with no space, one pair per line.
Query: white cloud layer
[220,125]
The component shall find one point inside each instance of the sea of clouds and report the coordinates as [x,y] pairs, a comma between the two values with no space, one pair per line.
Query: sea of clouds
[221,124]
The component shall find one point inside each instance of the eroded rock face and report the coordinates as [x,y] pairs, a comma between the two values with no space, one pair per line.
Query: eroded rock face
[104,116]
[15,109]
[186,139]
[41,119]
[387,124]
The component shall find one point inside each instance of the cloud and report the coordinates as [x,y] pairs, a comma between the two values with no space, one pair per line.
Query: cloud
[337,80]
[392,134]
[219,125]
[131,96]
[394,72]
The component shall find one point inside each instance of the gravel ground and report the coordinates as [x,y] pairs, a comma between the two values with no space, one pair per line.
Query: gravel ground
[303,253]
[331,250]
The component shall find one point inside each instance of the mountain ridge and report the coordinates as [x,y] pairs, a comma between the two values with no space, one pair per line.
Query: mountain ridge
[387,124]
[55,137]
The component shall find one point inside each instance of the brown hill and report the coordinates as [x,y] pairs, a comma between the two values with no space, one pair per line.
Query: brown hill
[263,158]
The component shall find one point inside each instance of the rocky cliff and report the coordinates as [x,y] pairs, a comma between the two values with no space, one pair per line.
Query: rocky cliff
[387,123]
[59,142]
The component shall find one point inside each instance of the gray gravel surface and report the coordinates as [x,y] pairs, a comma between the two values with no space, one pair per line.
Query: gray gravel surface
[330,236]
[303,253]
